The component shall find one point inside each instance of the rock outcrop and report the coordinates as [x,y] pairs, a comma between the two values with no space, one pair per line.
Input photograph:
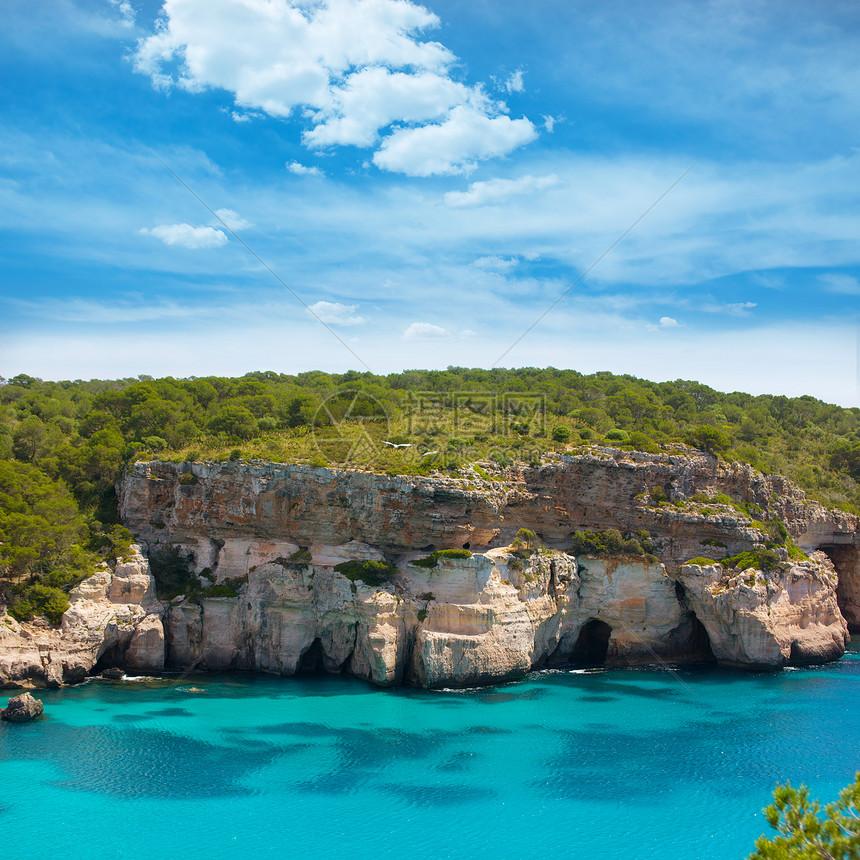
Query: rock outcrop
[114,618]
[22,709]
[756,619]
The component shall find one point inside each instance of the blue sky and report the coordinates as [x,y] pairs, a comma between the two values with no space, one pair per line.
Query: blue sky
[427,180]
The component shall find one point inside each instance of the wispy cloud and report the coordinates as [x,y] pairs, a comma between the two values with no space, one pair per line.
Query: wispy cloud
[513,83]
[496,264]
[494,191]
[126,12]
[425,331]
[232,219]
[299,169]
[840,284]
[735,309]
[335,313]
[186,236]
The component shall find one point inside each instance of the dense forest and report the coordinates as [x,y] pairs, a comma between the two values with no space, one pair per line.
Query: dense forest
[64,444]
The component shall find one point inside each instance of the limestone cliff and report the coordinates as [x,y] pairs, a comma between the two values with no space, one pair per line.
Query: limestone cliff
[492,616]
[114,617]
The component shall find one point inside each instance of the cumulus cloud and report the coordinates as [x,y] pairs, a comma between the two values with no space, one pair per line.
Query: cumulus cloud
[372,99]
[335,313]
[425,331]
[494,191]
[453,146]
[303,169]
[353,69]
[233,220]
[187,236]
[668,322]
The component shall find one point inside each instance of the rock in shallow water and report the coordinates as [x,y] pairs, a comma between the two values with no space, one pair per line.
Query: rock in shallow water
[22,709]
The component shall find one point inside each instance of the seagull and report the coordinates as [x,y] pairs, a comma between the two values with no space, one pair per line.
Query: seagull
[429,453]
[401,445]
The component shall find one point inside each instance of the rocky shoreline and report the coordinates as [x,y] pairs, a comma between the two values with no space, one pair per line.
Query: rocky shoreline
[277,533]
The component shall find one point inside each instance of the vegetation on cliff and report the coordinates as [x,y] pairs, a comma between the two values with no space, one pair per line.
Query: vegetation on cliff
[68,441]
[368,572]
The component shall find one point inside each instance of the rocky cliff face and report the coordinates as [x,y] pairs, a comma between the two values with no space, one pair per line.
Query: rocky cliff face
[197,504]
[114,617]
[492,616]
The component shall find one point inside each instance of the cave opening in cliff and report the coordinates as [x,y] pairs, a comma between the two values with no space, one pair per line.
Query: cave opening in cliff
[700,642]
[592,644]
[847,564]
[311,660]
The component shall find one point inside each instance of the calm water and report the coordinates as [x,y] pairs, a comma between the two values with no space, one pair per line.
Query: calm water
[639,764]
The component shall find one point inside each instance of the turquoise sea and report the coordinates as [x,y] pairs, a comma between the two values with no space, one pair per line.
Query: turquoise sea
[634,763]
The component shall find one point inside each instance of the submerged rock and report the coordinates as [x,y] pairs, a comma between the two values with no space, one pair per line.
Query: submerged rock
[22,709]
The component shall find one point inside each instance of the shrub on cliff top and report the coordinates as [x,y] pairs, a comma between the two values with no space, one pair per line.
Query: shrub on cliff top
[701,561]
[368,572]
[760,559]
[432,560]
[28,601]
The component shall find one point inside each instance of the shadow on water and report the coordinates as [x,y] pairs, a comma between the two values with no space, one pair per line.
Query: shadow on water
[438,795]
[459,761]
[135,762]
[171,712]
[602,762]
[132,718]
[363,754]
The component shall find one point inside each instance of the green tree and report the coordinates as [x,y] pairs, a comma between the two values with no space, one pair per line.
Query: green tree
[710,439]
[39,521]
[561,434]
[802,832]
[236,422]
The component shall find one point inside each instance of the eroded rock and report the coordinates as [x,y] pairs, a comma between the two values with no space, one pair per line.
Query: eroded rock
[112,614]
[22,709]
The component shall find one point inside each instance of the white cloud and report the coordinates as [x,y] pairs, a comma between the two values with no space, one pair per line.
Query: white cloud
[467,136]
[354,67]
[549,123]
[302,169]
[843,285]
[424,331]
[668,322]
[514,83]
[494,191]
[735,309]
[372,99]
[126,11]
[245,116]
[187,236]
[335,313]
[233,220]
[496,264]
